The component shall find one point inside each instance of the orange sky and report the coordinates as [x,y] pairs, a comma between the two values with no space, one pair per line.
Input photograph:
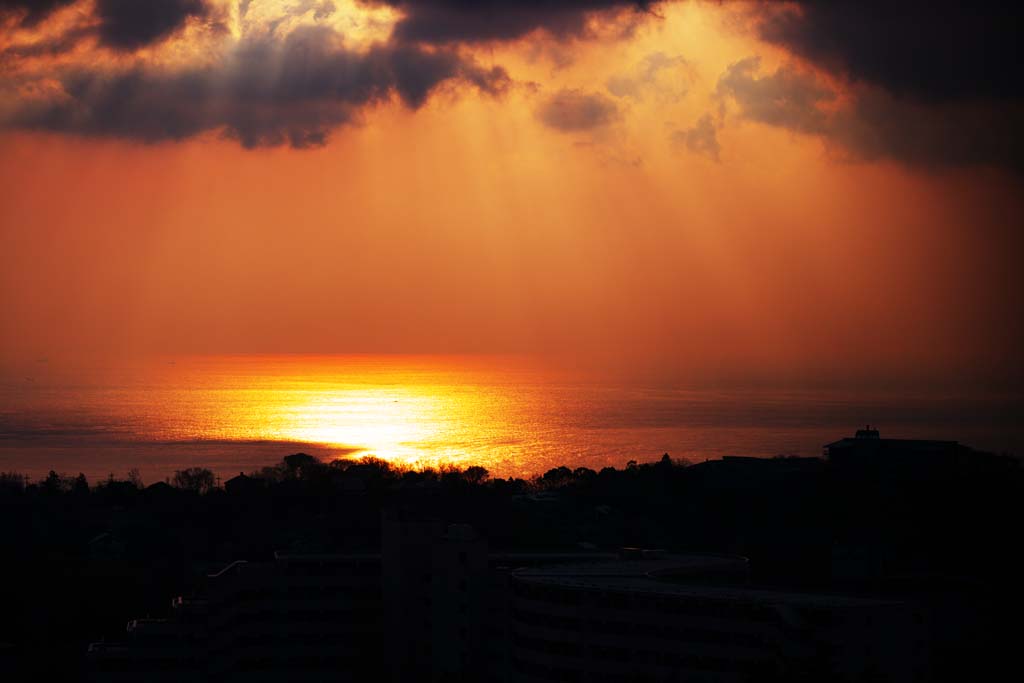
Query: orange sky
[564,215]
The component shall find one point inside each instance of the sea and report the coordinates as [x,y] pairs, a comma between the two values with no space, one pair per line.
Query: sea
[510,415]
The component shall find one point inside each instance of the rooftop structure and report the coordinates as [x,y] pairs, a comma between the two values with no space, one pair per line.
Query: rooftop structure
[666,618]
[868,450]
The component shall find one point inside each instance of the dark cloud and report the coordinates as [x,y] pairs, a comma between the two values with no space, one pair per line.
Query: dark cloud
[702,138]
[267,92]
[450,21]
[50,47]
[880,125]
[935,51]
[119,24]
[576,110]
[933,83]
[279,89]
[872,123]
[131,24]
[31,12]
[788,97]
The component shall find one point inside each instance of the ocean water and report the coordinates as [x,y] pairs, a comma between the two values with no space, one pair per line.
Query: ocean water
[235,414]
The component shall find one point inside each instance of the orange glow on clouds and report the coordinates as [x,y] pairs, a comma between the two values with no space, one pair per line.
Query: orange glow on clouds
[471,226]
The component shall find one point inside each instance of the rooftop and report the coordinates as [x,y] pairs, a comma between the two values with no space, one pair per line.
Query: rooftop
[872,437]
[666,575]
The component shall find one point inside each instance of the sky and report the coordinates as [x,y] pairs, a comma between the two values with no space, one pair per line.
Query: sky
[705,191]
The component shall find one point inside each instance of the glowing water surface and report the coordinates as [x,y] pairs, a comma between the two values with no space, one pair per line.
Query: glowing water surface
[510,415]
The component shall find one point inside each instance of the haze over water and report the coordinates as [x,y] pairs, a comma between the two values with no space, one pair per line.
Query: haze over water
[511,415]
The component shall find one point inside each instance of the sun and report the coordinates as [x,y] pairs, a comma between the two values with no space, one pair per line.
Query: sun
[388,422]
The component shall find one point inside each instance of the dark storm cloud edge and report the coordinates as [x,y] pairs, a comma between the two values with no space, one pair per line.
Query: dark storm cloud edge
[455,21]
[934,84]
[131,24]
[31,12]
[876,124]
[119,24]
[267,92]
[272,90]
[934,50]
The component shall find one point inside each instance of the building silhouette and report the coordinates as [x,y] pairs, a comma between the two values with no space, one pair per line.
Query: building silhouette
[438,604]
[297,618]
[660,617]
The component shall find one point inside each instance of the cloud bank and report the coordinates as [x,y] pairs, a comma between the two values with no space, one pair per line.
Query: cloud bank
[869,123]
[277,84]
[266,89]
[931,83]
[265,92]
[934,51]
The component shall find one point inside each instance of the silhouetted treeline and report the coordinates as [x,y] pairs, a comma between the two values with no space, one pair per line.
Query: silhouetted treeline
[81,558]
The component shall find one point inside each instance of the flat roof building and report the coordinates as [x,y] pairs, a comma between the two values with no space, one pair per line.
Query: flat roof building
[669,618]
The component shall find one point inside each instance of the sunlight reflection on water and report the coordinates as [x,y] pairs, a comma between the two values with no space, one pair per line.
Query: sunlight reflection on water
[240,413]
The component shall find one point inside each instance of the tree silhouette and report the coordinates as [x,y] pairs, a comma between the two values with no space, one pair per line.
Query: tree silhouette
[476,474]
[195,479]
